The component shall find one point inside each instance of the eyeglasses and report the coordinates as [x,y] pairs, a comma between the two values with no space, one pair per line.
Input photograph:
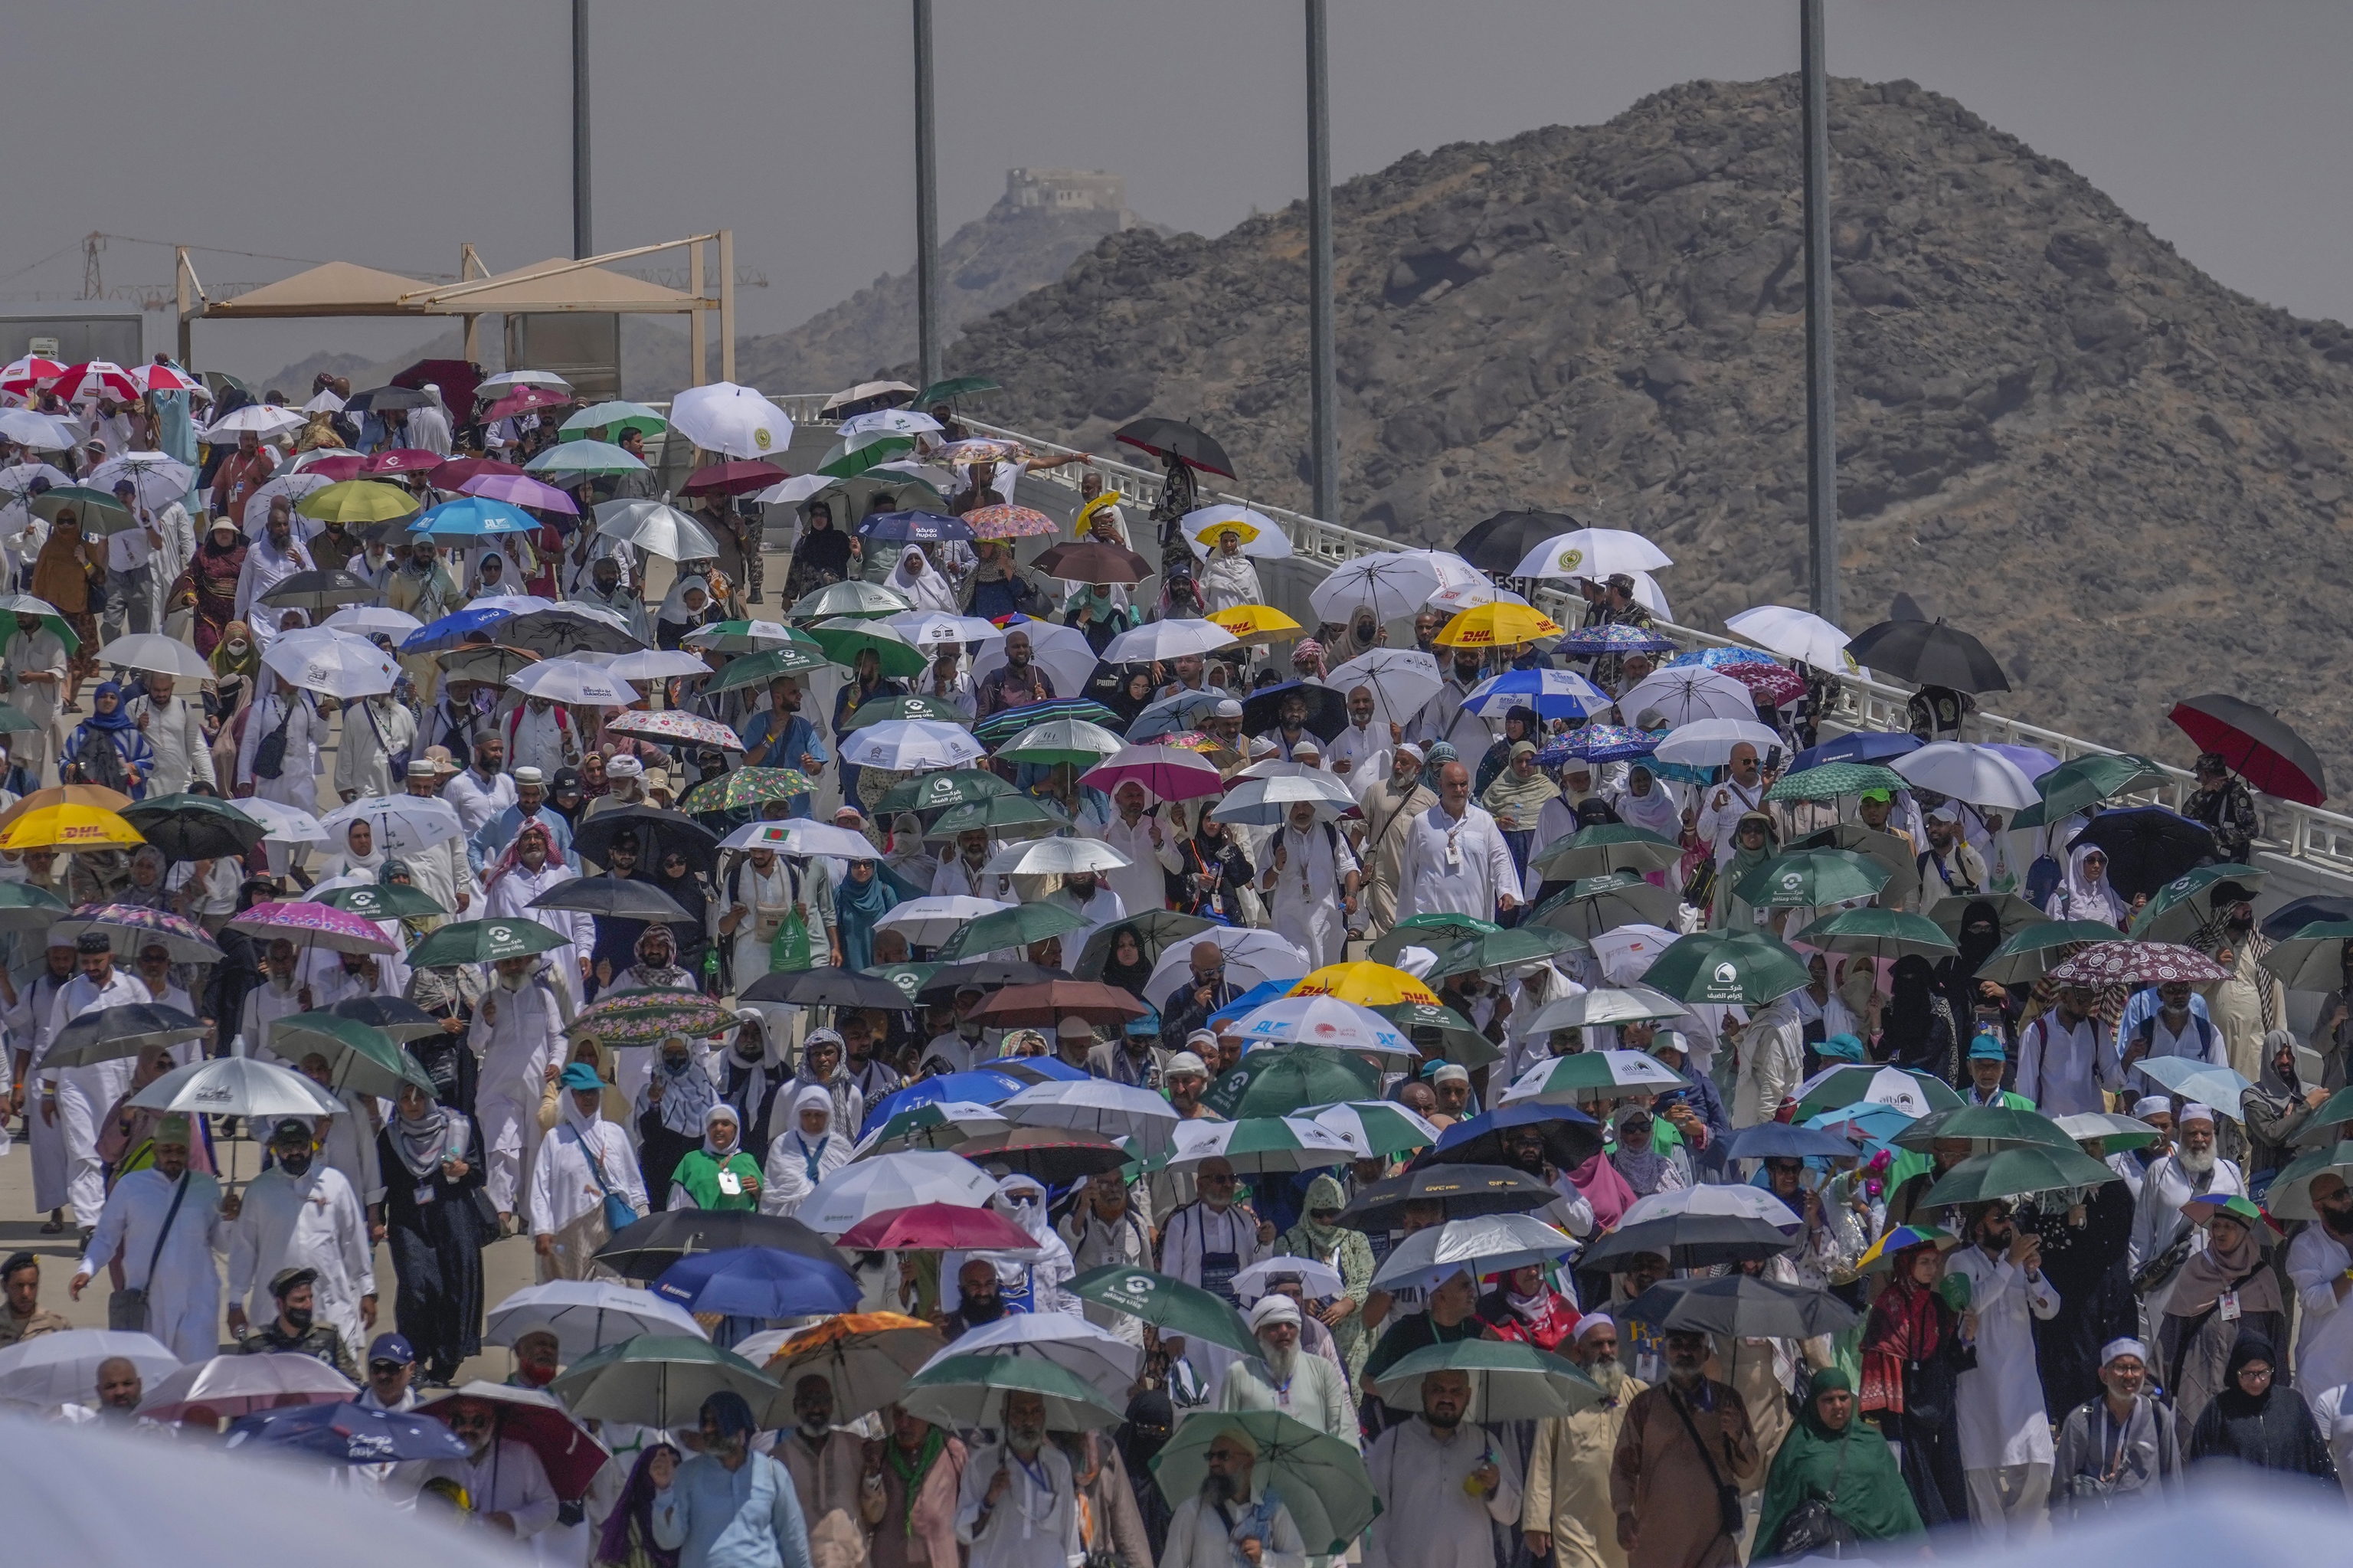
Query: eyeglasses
[1208,1181]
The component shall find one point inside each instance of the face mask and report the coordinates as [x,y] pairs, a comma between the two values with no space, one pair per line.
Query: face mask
[296,1319]
[295,1164]
[676,1067]
[237,649]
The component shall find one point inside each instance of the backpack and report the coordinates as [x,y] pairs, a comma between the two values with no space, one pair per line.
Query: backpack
[100,762]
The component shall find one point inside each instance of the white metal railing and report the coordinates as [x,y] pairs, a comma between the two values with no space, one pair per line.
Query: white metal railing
[2323,838]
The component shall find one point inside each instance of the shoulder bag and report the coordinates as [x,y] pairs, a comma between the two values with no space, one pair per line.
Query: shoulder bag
[1812,1529]
[126,1310]
[1731,1517]
[619,1213]
[270,753]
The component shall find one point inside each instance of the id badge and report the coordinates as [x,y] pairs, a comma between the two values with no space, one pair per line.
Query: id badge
[426,1193]
[731,1184]
[2227,1308]
[1453,852]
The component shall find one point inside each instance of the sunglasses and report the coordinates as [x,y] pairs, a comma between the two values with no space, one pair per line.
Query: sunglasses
[1216,1181]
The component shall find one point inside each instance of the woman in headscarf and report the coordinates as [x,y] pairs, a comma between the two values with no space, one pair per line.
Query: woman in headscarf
[1125,966]
[209,586]
[1217,871]
[1091,608]
[432,1160]
[1911,1362]
[63,575]
[627,1540]
[1844,1463]
[1227,577]
[807,1153]
[1752,847]
[1917,1031]
[670,1111]
[821,556]
[1132,694]
[907,856]
[1151,1417]
[2196,1342]
[720,1175]
[1520,723]
[236,670]
[692,891]
[2086,1239]
[2086,893]
[1525,1308]
[921,584]
[1516,799]
[2254,1421]
[859,904]
[1321,1236]
[493,576]
[108,749]
[1956,976]
[1603,1188]
[146,890]
[687,607]
[1855,1006]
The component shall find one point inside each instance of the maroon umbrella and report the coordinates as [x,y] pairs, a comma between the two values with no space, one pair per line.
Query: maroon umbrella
[456,471]
[735,478]
[1053,1156]
[2136,964]
[455,377]
[338,468]
[1046,1004]
[936,1227]
[539,1422]
[2256,744]
[401,459]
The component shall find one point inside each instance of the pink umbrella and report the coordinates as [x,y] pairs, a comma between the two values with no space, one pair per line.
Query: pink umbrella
[936,1227]
[316,926]
[341,466]
[536,1419]
[672,725]
[523,400]
[1171,772]
[401,459]
[521,489]
[239,1385]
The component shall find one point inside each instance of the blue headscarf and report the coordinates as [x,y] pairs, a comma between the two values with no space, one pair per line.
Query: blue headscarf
[118,719]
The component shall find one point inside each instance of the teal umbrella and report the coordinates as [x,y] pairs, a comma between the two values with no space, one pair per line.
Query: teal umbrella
[2016,1172]
[1991,1125]
[2034,950]
[1441,1032]
[1011,928]
[1740,968]
[1882,933]
[1506,950]
[1170,1305]
[1830,781]
[1436,932]
[1596,903]
[584,458]
[1509,1381]
[1812,877]
[1319,1479]
[968,1391]
[2314,959]
[2086,781]
[1279,1080]
[1603,848]
[2178,911]
[933,792]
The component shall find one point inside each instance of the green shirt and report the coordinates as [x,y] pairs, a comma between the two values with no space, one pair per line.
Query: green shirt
[699,1174]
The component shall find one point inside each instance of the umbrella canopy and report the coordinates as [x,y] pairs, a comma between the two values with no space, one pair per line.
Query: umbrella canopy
[1992,1127]
[867,1357]
[2147,846]
[1882,933]
[1571,1136]
[2016,1172]
[935,1227]
[1497,626]
[1259,1145]
[1503,951]
[928,921]
[1324,1022]
[964,1390]
[931,1124]
[649,1017]
[585,1315]
[757,1282]
[1488,1244]
[1509,1381]
[1552,693]
[135,928]
[1686,694]
[2085,782]
[2289,1197]
[359,1056]
[1832,779]
[1041,857]
[1592,906]
[1276,1081]
[236,1086]
[2255,743]
[153,650]
[2028,955]
[1434,932]
[1443,1032]
[1013,930]
[1380,1127]
[1794,634]
[1157,932]
[1740,1305]
[896,1182]
[1462,1191]
[661,1380]
[1695,1227]
[238,1385]
[347,1434]
[485,941]
[904,745]
[1834,1088]
[653,527]
[1100,1107]
[827,988]
[1605,848]
[2137,964]
[67,827]
[1806,878]
[2198,899]
[2313,959]
[1590,553]
[1928,653]
[1320,1478]
[1979,775]
[643,1250]
[61,1368]
[1738,968]
[1593,1077]
[1784,1140]
[2194,1079]
[113,1034]
[1176,1308]
[1605,1005]
[1055,1156]
[734,421]
[23,907]
[1365,983]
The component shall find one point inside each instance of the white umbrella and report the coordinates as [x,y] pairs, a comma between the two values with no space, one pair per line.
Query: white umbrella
[763,635]
[657,529]
[285,825]
[335,663]
[507,380]
[1266,802]
[1794,634]
[799,836]
[1165,639]
[154,651]
[1484,1243]
[158,479]
[263,419]
[366,620]
[1043,857]
[1396,583]
[927,629]
[237,1085]
[1349,1117]
[1467,596]
[1607,1007]
[1253,956]
[1402,681]
[401,824]
[1094,1355]
[1594,552]
[731,419]
[1627,952]
[1303,1145]
[1322,1020]
[42,432]
[17,478]
[1977,774]
[895,1182]
[647,663]
[1316,1281]
[795,490]
[1725,1201]
[1100,1106]
[569,681]
[585,1315]
[1063,652]
[890,422]
[910,746]
[324,403]
[1650,596]
[1202,525]
[927,922]
[50,1370]
[1688,692]
[1708,742]
[294,486]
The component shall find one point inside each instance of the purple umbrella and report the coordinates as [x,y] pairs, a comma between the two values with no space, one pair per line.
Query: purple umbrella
[521,489]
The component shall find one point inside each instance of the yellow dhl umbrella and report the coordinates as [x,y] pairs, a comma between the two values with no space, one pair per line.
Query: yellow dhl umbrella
[69,827]
[1366,984]
[1497,626]
[1258,622]
[66,795]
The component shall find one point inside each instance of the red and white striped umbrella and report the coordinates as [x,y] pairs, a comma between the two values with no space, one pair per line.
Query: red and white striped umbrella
[28,375]
[159,377]
[96,378]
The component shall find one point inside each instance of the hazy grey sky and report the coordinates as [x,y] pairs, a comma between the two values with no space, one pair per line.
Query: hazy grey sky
[386,135]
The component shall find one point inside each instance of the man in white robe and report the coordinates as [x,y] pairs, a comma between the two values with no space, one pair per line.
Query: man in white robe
[1360,752]
[82,1096]
[2006,1447]
[376,738]
[36,672]
[536,873]
[1455,860]
[505,1480]
[29,1036]
[176,1267]
[2065,1058]
[302,1213]
[1721,808]
[1284,1378]
[582,1160]
[1150,846]
[279,995]
[2320,1267]
[269,560]
[518,1033]
[1771,1060]
[1207,1529]
[1310,883]
[441,872]
[2195,1168]
[174,728]
[1017,1505]
[296,783]
[1444,716]
[1440,1480]
[1082,893]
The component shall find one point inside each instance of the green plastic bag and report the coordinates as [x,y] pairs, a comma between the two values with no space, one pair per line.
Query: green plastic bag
[788,949]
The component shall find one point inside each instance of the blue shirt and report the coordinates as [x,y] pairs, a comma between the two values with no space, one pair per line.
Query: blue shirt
[2143,1005]
[485,847]
[716,1517]
[799,739]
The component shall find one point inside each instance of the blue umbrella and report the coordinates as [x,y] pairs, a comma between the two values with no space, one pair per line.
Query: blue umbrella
[1781,1141]
[450,630]
[757,1282]
[2195,1080]
[1861,746]
[474,517]
[914,527]
[1719,658]
[1251,1000]
[1620,639]
[1170,715]
[1571,1137]
[1603,743]
[1038,1068]
[1554,694]
[975,1087]
[348,1433]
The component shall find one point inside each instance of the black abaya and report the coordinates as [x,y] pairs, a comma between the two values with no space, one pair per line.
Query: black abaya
[436,1234]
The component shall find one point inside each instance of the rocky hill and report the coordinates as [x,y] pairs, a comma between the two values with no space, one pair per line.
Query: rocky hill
[2130,481]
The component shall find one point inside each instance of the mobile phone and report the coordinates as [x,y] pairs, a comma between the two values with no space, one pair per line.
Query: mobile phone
[1773,760]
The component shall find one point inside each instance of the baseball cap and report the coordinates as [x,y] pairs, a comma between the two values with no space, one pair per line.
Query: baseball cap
[1988,1048]
[581,1075]
[391,1348]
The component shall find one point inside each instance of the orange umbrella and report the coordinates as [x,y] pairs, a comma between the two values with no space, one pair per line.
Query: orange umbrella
[866,1356]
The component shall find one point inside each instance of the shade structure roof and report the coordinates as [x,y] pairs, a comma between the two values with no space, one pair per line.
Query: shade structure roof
[333,289]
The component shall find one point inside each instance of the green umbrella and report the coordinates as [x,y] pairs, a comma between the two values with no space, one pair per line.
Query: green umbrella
[1509,1381]
[1279,1080]
[1882,933]
[948,391]
[484,941]
[1006,723]
[969,1391]
[759,669]
[745,787]
[2034,950]
[1013,928]
[51,621]
[2015,1173]
[1812,877]
[930,708]
[613,418]
[844,638]
[579,457]
[380,902]
[1593,905]
[1320,1478]
[933,792]
[1436,932]
[1155,931]
[909,978]
[1169,1305]
[1585,1077]
[1506,950]
[1062,740]
[1604,848]
[661,1380]
[1740,968]
[95,510]
[926,1126]
[2085,781]
[851,598]
[1457,1040]
[2314,959]
[2011,912]
[1001,817]
[747,637]
[14,720]
[2289,1197]
[23,907]
[1992,1126]
[1832,780]
[2179,910]
[359,1056]
[844,461]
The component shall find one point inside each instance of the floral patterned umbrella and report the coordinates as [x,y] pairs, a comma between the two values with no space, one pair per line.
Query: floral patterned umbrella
[980,449]
[672,725]
[650,1017]
[1008,522]
[745,787]
[184,939]
[1618,638]
[315,925]
[2137,964]
[1777,682]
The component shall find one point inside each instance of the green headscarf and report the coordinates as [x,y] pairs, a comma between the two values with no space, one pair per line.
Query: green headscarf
[1742,863]
[1323,1193]
[1852,1469]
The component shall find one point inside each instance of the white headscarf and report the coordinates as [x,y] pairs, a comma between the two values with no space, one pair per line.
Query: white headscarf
[1654,812]
[1022,1200]
[718,1111]
[928,589]
[685,1095]
[673,608]
[795,1165]
[2079,897]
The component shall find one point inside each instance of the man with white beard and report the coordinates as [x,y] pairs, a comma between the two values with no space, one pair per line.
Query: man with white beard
[2193,1170]
[78,1099]
[301,1215]
[165,1225]
[535,870]
[1567,1492]
[518,1032]
[1307,1388]
[1017,1507]
[1233,1519]
[1310,885]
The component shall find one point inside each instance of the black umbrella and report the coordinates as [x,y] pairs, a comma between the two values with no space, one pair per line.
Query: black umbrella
[987,973]
[562,629]
[1463,1191]
[658,831]
[1055,1156]
[1690,1241]
[643,1250]
[2290,918]
[826,988]
[1928,653]
[1327,709]
[2147,846]
[1740,1305]
[194,827]
[378,398]
[1500,543]
[109,1034]
[613,897]
[2256,744]
[403,1020]
[1189,444]
[320,589]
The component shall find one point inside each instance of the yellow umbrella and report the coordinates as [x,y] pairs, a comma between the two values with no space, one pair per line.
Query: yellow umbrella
[1257,622]
[68,827]
[1497,626]
[1366,984]
[361,500]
